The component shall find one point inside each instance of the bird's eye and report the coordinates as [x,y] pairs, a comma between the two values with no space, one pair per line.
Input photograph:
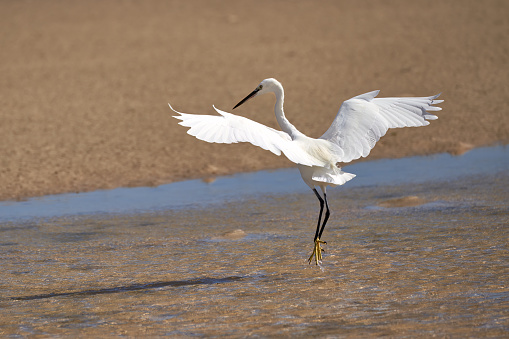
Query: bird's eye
[260,87]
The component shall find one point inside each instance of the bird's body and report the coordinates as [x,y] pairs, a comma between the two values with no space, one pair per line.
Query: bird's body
[359,124]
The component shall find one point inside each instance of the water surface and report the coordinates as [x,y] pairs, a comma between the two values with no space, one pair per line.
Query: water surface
[198,193]
[239,268]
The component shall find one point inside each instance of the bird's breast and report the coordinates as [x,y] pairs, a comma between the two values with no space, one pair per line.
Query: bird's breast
[318,149]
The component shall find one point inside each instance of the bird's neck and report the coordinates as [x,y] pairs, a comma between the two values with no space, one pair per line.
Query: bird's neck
[280,115]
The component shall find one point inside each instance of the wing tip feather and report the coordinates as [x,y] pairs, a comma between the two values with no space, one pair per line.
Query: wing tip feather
[173,108]
[180,117]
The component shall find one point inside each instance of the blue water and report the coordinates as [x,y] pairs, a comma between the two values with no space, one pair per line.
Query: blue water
[197,193]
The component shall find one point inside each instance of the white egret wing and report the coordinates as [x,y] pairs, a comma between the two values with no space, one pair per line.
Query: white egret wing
[363,120]
[229,128]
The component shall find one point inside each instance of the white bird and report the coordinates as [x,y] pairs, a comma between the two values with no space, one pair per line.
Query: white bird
[359,124]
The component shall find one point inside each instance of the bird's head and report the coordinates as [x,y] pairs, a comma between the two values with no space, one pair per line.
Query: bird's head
[266,86]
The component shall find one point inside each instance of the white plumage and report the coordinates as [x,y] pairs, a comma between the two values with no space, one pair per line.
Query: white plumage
[360,122]
[364,119]
[229,128]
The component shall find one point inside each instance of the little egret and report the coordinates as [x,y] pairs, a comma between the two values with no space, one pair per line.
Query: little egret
[359,124]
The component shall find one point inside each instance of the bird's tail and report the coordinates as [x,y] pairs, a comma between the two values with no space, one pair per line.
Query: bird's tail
[332,176]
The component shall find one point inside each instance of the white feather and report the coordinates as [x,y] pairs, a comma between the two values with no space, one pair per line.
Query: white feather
[229,128]
[364,119]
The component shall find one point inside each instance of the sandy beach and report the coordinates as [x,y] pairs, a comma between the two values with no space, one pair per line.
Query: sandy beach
[85,85]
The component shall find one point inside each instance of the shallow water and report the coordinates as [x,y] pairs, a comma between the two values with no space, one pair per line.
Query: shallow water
[198,193]
[239,268]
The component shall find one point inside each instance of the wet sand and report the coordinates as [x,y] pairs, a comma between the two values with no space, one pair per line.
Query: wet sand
[435,267]
[85,84]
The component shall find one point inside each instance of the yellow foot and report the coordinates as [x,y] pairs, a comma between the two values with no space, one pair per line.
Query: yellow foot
[317,251]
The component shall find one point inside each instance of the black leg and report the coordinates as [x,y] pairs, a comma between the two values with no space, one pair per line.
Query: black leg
[327,214]
[320,215]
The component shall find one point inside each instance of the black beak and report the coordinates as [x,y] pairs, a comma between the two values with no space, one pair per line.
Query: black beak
[251,95]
